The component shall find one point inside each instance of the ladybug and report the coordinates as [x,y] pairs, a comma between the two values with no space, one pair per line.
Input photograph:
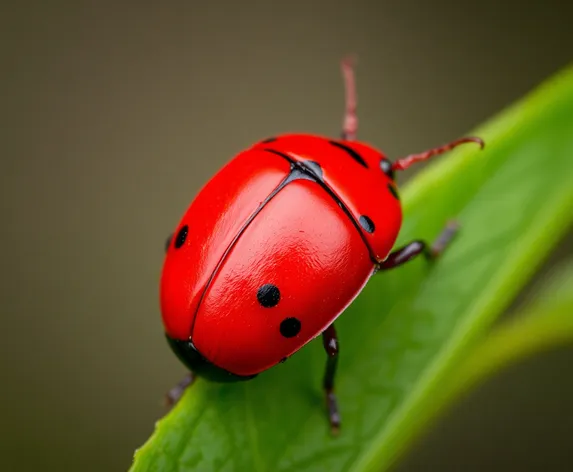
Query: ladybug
[277,244]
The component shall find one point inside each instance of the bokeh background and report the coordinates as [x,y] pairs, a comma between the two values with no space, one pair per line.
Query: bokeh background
[113,116]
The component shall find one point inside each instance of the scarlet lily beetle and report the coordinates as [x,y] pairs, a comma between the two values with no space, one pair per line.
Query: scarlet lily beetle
[277,244]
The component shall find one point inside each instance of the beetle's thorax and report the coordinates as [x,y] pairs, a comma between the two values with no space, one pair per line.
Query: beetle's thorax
[358,175]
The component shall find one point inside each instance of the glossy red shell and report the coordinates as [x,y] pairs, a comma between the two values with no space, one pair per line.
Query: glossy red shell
[363,189]
[214,218]
[306,239]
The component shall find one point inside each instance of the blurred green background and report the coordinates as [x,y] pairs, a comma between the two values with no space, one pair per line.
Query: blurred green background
[112,118]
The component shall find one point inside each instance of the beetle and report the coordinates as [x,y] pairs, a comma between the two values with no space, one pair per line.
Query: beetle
[275,247]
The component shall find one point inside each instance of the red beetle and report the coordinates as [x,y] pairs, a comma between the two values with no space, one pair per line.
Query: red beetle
[276,245]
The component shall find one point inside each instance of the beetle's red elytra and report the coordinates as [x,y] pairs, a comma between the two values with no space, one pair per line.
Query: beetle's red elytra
[275,247]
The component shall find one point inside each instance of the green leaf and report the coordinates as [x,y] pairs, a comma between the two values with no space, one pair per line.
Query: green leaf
[410,326]
[546,324]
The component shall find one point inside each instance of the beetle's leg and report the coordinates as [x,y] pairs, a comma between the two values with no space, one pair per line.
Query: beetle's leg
[415,248]
[330,342]
[177,392]
[350,124]
[168,241]
[444,239]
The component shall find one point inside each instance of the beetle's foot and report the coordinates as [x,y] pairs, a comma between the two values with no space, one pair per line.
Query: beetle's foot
[175,394]
[444,239]
[333,414]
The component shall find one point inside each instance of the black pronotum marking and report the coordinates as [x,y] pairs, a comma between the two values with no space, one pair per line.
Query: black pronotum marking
[290,327]
[386,167]
[393,191]
[181,236]
[268,295]
[367,224]
[351,152]
[314,167]
[299,171]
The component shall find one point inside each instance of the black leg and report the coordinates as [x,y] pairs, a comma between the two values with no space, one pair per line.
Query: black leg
[415,248]
[168,241]
[330,342]
[177,392]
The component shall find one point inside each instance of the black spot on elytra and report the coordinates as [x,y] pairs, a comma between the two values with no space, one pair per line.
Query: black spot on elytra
[181,236]
[393,191]
[351,152]
[367,224]
[386,167]
[290,327]
[269,140]
[268,295]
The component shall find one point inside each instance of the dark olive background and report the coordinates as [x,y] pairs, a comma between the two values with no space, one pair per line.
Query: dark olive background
[112,117]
